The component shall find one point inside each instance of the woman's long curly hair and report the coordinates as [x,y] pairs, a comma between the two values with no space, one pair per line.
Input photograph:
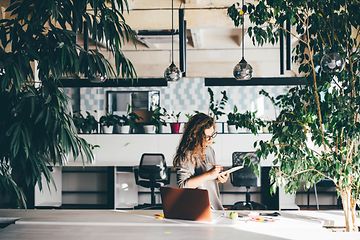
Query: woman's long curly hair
[193,141]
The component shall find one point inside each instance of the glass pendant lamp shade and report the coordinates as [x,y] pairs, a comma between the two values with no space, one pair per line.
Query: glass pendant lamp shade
[172,73]
[332,63]
[243,70]
[97,78]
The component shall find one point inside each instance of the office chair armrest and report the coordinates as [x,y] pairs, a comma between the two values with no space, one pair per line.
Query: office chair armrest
[136,174]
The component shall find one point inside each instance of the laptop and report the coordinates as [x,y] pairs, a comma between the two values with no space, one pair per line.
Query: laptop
[186,203]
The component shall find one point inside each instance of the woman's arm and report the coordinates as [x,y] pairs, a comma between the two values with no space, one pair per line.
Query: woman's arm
[196,181]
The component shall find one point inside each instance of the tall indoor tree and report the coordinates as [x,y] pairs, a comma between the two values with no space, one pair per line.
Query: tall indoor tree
[37,48]
[316,134]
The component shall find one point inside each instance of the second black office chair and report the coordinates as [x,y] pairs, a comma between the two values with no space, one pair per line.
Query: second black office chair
[152,173]
[245,178]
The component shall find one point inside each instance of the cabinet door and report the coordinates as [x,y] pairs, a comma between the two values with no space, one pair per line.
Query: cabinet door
[50,196]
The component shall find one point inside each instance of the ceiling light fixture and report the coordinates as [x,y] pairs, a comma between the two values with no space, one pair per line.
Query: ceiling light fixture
[242,70]
[332,62]
[172,73]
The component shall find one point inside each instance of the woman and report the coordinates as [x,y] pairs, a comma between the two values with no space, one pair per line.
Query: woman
[195,159]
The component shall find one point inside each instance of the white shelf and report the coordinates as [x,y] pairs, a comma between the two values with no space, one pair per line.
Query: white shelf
[126,149]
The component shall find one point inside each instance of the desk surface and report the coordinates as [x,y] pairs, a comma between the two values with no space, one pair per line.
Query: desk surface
[108,224]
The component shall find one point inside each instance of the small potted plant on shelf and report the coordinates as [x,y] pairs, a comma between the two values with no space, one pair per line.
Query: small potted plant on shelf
[108,121]
[157,118]
[216,107]
[248,122]
[78,120]
[86,124]
[188,116]
[232,121]
[123,124]
[174,124]
[128,121]
[90,124]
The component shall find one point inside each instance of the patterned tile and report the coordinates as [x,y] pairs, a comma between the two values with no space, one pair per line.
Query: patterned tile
[186,96]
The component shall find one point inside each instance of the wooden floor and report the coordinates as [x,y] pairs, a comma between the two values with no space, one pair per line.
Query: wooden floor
[137,224]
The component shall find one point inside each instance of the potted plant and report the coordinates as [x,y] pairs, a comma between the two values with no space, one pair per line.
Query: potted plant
[44,108]
[108,121]
[78,120]
[128,122]
[157,118]
[123,124]
[233,120]
[316,134]
[216,107]
[86,124]
[174,124]
[90,124]
[244,122]
[188,116]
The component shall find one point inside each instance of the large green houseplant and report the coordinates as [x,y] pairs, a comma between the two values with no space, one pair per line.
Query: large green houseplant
[38,47]
[316,134]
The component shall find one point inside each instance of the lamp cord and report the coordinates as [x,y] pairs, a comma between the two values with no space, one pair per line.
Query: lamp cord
[172,31]
[242,30]
[332,25]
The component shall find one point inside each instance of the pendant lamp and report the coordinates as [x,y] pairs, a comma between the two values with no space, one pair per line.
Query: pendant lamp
[243,70]
[332,62]
[172,73]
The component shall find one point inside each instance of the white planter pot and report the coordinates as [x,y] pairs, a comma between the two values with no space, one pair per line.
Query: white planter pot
[165,129]
[123,129]
[244,130]
[149,128]
[232,129]
[106,129]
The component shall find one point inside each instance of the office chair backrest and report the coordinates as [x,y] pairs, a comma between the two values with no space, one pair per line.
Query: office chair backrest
[246,176]
[153,166]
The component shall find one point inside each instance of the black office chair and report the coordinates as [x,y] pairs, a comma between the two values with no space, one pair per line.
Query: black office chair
[152,173]
[245,177]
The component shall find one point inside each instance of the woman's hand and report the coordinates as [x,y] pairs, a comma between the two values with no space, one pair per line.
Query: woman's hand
[222,178]
[214,172]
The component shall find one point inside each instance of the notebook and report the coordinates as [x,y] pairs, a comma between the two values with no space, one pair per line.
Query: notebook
[186,203]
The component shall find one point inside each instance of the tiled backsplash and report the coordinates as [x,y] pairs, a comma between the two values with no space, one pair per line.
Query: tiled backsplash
[187,95]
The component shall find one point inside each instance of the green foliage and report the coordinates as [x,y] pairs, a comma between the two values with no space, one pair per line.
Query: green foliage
[36,129]
[189,115]
[216,107]
[86,124]
[173,116]
[109,120]
[157,117]
[316,134]
[245,120]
